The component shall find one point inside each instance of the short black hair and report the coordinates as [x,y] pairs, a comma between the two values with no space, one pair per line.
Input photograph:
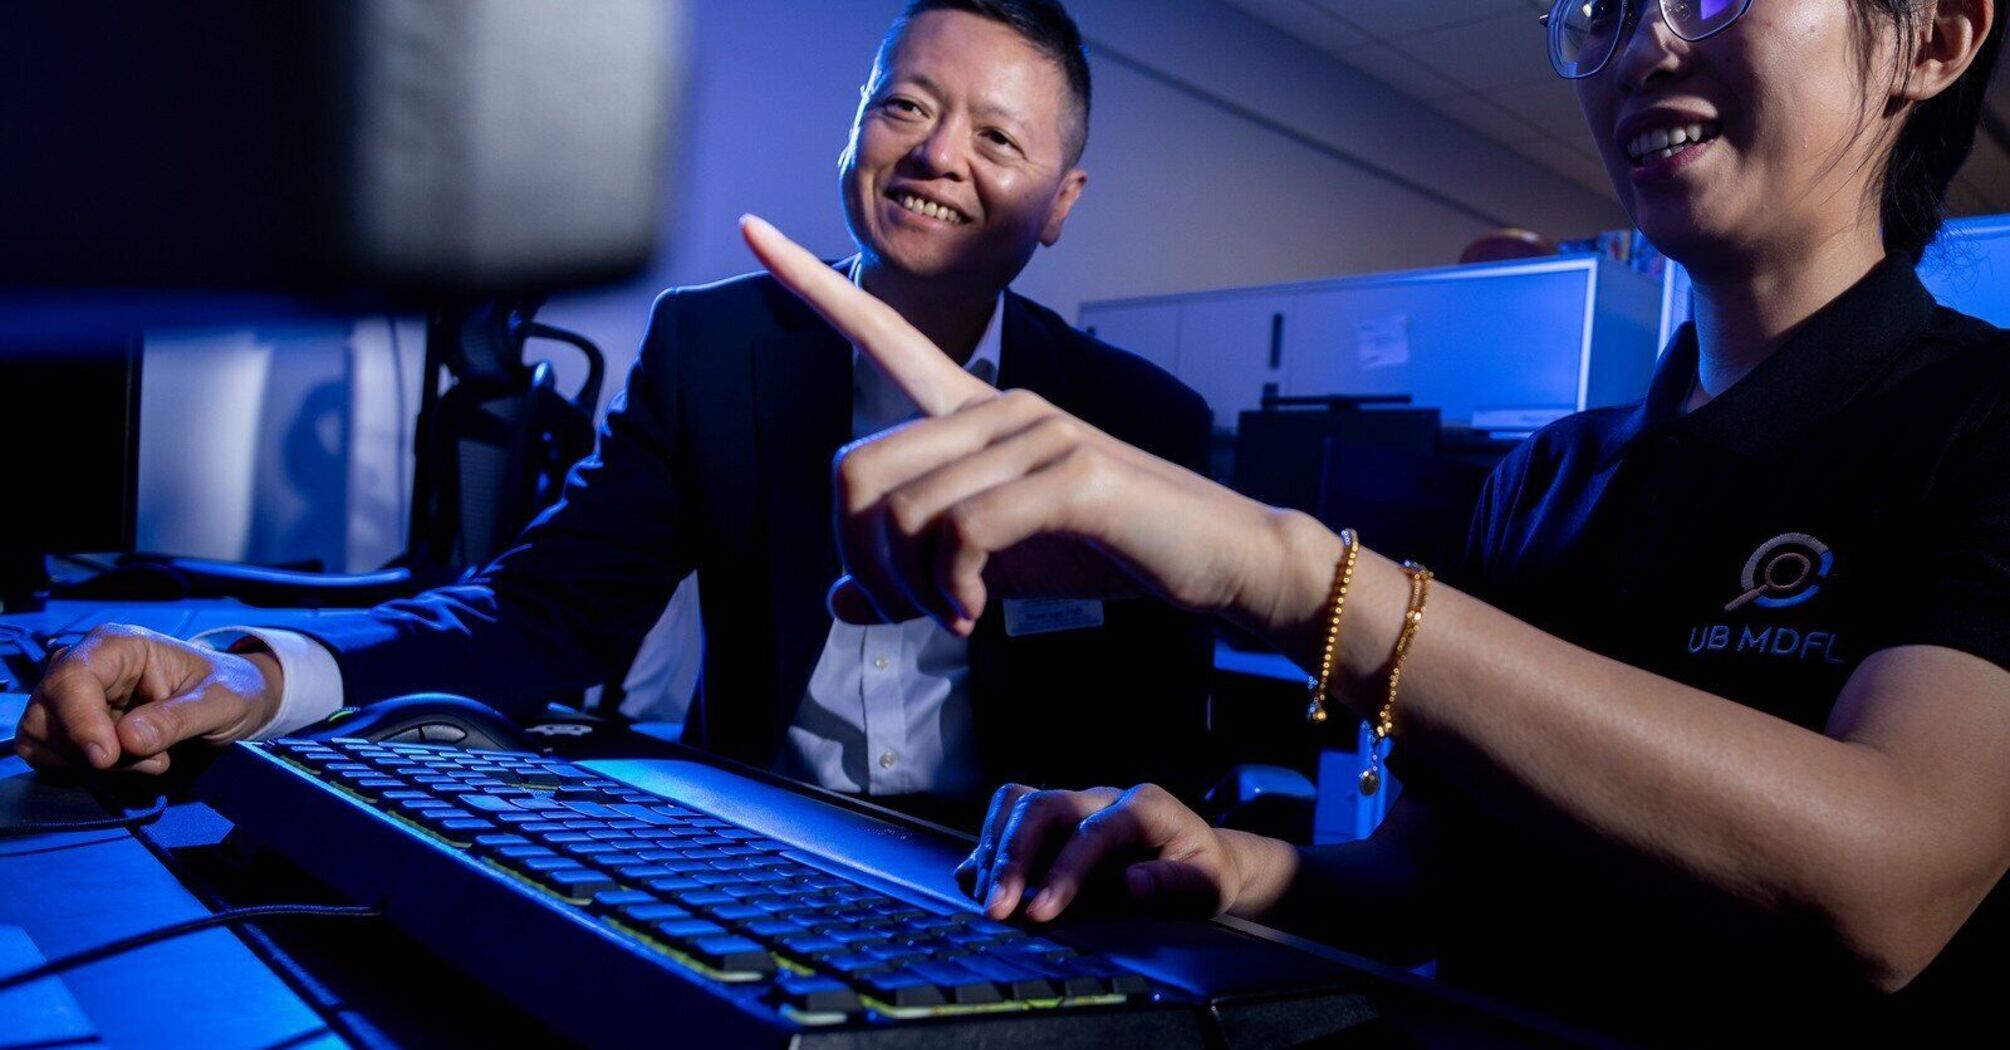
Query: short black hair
[1936,139]
[1045,24]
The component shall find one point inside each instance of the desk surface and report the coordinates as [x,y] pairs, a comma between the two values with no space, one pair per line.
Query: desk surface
[79,890]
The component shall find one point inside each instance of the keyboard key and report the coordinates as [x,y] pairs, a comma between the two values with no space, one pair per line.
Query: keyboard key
[463,830]
[737,913]
[486,845]
[648,814]
[853,938]
[681,930]
[576,883]
[901,988]
[1129,984]
[609,902]
[816,994]
[731,954]
[852,964]
[511,856]
[1081,977]
[896,955]
[1016,980]
[772,929]
[959,984]
[646,915]
[808,946]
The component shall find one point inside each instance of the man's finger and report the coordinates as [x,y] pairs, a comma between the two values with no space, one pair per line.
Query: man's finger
[79,715]
[916,366]
[40,755]
[151,729]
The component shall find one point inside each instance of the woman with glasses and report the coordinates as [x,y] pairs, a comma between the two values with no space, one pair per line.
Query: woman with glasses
[1709,739]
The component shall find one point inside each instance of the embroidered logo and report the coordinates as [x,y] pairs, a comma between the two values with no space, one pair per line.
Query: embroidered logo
[1785,571]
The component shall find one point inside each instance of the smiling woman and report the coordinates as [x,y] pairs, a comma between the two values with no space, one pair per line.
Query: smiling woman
[1759,838]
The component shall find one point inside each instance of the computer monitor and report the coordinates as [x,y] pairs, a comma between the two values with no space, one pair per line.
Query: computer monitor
[333,146]
[69,432]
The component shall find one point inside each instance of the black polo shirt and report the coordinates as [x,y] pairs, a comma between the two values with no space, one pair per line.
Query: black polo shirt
[1850,494]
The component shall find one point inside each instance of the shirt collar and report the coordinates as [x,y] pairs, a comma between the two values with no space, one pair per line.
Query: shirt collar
[1836,356]
[984,360]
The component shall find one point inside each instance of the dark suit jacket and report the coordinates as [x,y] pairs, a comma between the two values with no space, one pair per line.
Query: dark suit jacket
[718,458]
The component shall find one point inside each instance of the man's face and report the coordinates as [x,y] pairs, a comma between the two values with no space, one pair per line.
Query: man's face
[959,164]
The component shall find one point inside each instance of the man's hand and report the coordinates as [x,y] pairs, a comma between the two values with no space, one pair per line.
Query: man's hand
[122,696]
[1172,861]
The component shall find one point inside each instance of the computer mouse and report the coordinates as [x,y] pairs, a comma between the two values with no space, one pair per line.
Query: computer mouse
[426,718]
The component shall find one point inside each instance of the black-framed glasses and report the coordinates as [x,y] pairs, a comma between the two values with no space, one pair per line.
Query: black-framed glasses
[1585,34]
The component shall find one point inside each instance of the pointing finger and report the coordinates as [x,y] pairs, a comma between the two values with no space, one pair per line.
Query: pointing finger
[916,366]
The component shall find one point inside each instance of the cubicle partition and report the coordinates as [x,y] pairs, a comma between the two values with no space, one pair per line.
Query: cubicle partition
[1499,346]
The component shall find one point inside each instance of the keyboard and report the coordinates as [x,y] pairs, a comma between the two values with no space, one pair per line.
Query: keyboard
[670,897]
[751,936]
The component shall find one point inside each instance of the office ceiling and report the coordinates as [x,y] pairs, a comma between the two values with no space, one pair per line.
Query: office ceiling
[1484,63]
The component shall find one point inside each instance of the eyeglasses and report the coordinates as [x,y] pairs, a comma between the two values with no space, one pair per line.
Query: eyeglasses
[1585,34]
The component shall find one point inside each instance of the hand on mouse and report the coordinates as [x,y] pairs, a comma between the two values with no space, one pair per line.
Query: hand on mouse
[122,696]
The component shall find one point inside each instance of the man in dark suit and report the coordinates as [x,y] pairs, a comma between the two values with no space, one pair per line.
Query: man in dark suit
[717,459]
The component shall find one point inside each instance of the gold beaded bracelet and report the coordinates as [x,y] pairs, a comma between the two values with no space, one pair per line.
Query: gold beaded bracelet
[1385,720]
[1336,603]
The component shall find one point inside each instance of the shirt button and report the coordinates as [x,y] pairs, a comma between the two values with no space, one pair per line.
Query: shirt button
[879,664]
[887,759]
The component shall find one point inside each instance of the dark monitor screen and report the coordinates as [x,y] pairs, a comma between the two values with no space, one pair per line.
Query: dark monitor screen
[69,428]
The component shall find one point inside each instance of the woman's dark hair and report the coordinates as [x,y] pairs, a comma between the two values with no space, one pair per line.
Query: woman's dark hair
[1046,25]
[1936,138]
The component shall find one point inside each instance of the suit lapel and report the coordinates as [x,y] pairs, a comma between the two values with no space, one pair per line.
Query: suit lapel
[1029,359]
[1028,356]
[802,414]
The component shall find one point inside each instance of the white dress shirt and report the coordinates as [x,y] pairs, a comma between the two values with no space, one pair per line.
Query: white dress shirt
[886,711]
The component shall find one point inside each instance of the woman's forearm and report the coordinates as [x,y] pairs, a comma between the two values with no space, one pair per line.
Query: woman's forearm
[1363,896]
[1743,803]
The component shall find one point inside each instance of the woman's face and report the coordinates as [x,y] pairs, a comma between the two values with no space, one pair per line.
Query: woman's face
[1792,133]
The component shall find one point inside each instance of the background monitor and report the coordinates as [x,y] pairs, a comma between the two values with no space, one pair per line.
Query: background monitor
[69,435]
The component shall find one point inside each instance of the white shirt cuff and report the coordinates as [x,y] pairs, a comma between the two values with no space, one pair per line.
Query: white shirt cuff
[311,682]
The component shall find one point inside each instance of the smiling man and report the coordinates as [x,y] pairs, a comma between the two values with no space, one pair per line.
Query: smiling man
[962,163]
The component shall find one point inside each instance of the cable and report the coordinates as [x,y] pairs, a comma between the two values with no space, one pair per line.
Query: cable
[52,827]
[63,963]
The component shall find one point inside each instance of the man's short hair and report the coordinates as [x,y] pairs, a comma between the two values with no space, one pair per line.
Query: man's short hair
[1046,25]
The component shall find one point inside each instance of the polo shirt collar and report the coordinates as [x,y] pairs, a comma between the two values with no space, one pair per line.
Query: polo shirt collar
[1837,355]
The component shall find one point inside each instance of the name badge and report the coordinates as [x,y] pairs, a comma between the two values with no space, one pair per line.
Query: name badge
[1025,616]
